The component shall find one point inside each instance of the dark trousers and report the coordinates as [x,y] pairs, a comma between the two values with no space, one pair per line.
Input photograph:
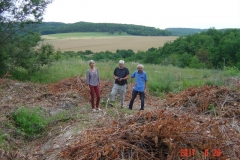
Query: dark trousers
[94,89]
[134,95]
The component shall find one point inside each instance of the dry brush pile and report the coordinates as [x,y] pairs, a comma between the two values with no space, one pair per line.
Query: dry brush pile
[197,119]
[220,101]
[78,84]
[158,134]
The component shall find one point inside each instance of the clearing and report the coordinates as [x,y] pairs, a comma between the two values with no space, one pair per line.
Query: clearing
[198,122]
[98,42]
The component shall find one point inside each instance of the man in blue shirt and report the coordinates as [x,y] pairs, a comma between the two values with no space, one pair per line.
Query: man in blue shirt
[140,85]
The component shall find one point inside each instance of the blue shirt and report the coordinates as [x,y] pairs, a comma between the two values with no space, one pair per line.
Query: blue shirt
[141,78]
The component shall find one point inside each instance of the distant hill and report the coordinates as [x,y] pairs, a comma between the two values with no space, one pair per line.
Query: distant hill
[57,27]
[184,31]
[189,31]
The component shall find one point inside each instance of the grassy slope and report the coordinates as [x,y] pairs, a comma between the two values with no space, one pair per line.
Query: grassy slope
[161,78]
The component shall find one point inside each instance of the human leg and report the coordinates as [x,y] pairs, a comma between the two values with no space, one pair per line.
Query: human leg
[113,93]
[122,94]
[142,100]
[134,94]
[92,95]
[97,92]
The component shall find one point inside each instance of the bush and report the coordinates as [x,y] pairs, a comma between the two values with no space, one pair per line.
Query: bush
[30,121]
[231,71]
[163,84]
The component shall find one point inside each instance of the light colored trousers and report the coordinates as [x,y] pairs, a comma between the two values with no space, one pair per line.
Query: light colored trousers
[122,90]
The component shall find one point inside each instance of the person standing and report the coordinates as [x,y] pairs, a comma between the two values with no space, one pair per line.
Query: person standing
[140,85]
[120,75]
[93,81]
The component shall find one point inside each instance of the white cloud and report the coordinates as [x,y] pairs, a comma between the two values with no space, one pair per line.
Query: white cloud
[156,13]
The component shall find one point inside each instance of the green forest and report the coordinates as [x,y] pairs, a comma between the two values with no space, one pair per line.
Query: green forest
[212,49]
[184,31]
[189,31]
[112,28]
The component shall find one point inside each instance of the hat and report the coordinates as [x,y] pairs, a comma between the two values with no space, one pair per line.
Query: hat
[121,61]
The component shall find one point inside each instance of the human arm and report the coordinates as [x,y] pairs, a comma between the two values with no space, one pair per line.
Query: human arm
[132,81]
[146,87]
[125,78]
[87,78]
[145,90]
[126,75]
[98,79]
[114,74]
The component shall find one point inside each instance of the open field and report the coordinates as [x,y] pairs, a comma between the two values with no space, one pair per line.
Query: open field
[82,35]
[162,79]
[98,42]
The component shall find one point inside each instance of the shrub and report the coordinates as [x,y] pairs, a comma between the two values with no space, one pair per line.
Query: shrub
[30,121]
[160,84]
[231,71]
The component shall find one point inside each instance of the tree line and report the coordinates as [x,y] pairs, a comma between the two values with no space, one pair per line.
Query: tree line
[112,28]
[188,31]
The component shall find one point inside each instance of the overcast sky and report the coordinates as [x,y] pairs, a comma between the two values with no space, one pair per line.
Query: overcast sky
[156,13]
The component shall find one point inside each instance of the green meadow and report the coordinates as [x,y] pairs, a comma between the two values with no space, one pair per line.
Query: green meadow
[162,79]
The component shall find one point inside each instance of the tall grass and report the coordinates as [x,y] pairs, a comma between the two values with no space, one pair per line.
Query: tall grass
[162,79]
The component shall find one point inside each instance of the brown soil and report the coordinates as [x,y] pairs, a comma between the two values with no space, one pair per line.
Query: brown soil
[196,119]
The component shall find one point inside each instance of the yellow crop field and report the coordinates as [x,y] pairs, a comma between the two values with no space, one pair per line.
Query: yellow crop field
[104,42]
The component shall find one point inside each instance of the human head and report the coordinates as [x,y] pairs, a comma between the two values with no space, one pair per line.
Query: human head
[140,68]
[121,63]
[91,63]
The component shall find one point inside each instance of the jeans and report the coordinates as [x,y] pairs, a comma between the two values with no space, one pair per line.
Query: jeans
[95,89]
[122,89]
[134,94]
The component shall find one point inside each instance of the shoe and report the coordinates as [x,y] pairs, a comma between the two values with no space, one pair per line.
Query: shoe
[130,108]
[141,109]
[94,110]
[98,109]
[110,104]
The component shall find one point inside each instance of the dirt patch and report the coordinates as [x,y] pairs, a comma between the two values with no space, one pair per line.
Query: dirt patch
[70,96]
[196,119]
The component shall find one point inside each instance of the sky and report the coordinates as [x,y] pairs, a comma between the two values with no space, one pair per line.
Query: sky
[161,14]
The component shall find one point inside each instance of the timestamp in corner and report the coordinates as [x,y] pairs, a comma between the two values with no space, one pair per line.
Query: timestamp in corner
[190,152]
